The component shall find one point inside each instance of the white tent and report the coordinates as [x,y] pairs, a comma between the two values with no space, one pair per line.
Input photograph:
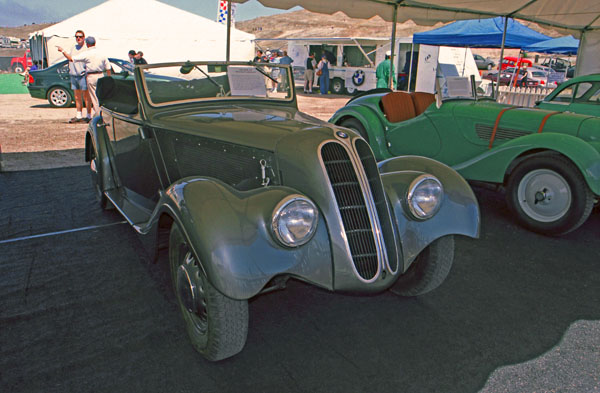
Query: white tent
[164,33]
[578,17]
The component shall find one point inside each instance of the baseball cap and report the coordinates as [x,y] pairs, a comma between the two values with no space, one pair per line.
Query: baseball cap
[388,53]
[90,40]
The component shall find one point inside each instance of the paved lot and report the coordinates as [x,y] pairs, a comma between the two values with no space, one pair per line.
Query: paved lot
[85,311]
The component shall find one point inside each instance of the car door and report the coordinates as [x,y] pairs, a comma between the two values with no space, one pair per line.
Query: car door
[134,148]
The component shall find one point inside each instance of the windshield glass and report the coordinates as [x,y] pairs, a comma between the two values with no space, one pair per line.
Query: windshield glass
[187,82]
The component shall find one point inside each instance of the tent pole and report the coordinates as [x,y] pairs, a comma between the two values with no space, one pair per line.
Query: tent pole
[228,30]
[393,48]
[501,57]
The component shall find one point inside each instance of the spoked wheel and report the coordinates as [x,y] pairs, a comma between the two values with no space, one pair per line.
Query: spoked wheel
[549,195]
[217,325]
[429,270]
[97,181]
[356,126]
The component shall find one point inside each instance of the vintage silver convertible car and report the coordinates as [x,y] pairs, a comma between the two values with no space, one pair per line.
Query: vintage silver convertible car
[214,163]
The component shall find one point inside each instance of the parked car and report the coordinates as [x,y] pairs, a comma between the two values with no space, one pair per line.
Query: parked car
[511,61]
[53,83]
[557,64]
[577,95]
[484,63]
[507,76]
[215,166]
[548,162]
[19,64]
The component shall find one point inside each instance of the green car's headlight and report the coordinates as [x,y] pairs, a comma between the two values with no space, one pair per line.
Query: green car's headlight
[425,196]
[294,220]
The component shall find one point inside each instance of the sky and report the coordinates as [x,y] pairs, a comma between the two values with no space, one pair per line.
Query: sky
[25,12]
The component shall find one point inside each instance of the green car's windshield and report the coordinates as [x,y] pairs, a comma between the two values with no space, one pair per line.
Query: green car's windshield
[166,84]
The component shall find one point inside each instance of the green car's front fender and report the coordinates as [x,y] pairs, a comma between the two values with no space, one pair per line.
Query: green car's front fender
[459,212]
[230,232]
[372,124]
[492,165]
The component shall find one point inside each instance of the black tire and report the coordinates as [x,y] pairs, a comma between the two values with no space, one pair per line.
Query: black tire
[429,270]
[549,195]
[217,325]
[337,86]
[97,180]
[59,97]
[356,126]
[489,67]
[18,68]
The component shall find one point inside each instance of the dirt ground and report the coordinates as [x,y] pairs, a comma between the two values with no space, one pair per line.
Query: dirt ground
[34,135]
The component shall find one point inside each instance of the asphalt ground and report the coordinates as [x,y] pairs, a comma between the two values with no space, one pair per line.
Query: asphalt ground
[86,311]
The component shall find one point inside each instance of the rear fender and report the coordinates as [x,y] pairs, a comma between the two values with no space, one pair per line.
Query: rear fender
[458,215]
[493,165]
[230,232]
[97,138]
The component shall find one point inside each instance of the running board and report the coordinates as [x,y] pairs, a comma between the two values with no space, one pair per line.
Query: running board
[124,201]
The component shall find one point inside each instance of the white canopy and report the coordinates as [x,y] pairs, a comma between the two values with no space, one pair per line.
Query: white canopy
[164,33]
[578,17]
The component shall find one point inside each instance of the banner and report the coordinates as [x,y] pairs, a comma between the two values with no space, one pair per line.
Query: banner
[222,16]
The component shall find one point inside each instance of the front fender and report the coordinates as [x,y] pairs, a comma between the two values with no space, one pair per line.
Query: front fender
[458,215]
[492,165]
[230,232]
[372,124]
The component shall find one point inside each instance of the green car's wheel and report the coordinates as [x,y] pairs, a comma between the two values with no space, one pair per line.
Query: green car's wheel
[97,180]
[356,126]
[428,270]
[216,324]
[59,97]
[549,195]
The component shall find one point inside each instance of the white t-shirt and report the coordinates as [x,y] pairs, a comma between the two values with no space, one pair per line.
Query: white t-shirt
[76,69]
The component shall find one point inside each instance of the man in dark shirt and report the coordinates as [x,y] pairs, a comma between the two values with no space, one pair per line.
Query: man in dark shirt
[309,73]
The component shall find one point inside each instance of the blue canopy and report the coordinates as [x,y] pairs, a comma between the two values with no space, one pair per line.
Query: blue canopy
[567,45]
[481,33]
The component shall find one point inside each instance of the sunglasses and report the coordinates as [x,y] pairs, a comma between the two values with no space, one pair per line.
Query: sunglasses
[79,36]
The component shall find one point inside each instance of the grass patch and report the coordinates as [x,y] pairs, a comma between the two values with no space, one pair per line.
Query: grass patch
[11,84]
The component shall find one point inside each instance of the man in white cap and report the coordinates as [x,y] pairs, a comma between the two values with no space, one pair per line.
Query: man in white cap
[95,66]
[383,71]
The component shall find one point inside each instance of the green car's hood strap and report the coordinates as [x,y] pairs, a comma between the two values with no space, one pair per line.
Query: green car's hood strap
[493,136]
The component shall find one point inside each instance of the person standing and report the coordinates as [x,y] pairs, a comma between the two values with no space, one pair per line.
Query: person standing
[323,72]
[383,72]
[131,55]
[309,73]
[139,58]
[78,80]
[96,64]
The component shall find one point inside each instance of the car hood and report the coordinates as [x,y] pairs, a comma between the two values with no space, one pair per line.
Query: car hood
[268,125]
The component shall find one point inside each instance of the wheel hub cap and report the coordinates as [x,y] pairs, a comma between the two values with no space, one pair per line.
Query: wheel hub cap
[191,292]
[544,195]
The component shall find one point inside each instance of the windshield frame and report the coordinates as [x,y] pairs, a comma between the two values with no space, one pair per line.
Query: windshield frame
[148,70]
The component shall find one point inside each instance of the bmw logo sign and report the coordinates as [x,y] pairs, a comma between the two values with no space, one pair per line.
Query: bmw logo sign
[358,77]
[342,134]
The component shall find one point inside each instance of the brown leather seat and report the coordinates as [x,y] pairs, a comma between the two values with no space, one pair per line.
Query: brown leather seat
[398,106]
[422,101]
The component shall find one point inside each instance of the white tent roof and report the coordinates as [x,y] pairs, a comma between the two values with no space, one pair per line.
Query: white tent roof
[578,17]
[161,31]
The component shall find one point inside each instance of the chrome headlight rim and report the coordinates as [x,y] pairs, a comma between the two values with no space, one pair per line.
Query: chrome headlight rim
[277,213]
[414,185]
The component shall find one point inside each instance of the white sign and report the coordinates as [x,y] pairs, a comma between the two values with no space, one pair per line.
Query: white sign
[246,81]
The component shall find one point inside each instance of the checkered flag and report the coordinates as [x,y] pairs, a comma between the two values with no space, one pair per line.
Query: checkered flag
[222,17]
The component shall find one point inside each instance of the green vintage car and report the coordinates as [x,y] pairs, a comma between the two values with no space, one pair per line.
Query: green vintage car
[577,95]
[214,166]
[548,161]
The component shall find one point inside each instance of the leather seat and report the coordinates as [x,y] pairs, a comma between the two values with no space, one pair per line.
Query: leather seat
[398,106]
[422,101]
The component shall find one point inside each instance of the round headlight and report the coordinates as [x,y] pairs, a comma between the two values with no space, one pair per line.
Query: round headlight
[294,220]
[425,196]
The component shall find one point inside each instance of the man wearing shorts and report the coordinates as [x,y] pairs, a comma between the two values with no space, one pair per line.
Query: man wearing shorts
[78,82]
